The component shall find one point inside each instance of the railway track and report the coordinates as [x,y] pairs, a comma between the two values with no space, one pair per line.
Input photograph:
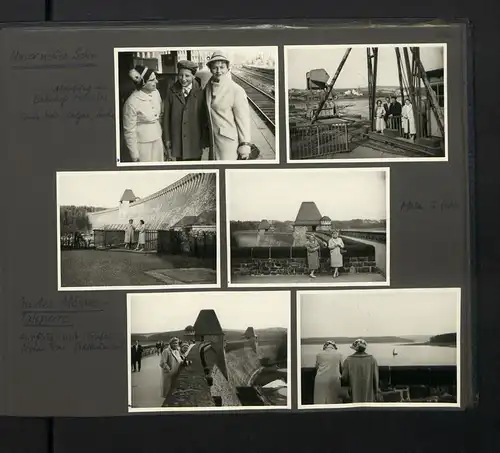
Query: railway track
[262,103]
[254,73]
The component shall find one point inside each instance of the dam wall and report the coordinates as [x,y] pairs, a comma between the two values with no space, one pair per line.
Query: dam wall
[191,196]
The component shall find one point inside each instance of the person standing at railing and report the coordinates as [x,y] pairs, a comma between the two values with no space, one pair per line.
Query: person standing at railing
[386,105]
[394,116]
[360,373]
[327,386]
[312,247]
[141,243]
[337,247]
[408,118]
[129,234]
[170,363]
[380,113]
[136,355]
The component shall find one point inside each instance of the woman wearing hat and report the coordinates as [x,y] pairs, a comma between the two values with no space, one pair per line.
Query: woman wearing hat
[184,120]
[336,245]
[228,112]
[327,386]
[142,115]
[170,363]
[360,373]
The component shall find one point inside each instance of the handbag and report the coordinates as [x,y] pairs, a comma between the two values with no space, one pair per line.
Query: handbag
[343,251]
[254,153]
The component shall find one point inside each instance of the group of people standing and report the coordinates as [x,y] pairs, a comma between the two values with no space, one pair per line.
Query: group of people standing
[190,118]
[336,247]
[391,114]
[359,372]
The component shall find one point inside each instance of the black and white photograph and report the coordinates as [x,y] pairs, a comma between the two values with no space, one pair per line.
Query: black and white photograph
[296,227]
[208,351]
[196,105]
[382,347]
[138,229]
[366,103]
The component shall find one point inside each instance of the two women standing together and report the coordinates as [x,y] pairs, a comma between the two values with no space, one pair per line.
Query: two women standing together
[336,247]
[190,119]
[359,372]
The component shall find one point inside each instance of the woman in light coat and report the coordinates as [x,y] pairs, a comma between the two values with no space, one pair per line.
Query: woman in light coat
[228,112]
[170,363]
[408,119]
[327,386]
[129,234]
[141,243]
[142,117]
[336,245]
[380,113]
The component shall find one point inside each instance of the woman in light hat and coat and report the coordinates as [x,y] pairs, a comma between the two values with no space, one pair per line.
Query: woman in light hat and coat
[228,112]
[327,386]
[185,116]
[360,373]
[336,246]
[142,115]
[170,362]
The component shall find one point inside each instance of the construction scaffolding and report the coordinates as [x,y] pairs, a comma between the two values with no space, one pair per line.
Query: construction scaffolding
[411,76]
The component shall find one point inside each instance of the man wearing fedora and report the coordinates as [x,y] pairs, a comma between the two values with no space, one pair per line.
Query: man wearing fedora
[228,112]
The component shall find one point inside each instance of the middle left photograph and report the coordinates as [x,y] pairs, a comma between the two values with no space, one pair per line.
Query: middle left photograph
[130,230]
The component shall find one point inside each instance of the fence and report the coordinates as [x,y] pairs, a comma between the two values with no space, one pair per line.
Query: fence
[75,241]
[116,238]
[317,140]
[420,128]
[375,236]
[199,244]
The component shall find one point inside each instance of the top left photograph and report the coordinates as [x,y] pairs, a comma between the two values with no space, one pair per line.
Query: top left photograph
[196,105]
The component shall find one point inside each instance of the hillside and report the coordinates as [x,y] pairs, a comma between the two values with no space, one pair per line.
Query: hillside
[348,340]
[76,217]
[269,334]
[444,339]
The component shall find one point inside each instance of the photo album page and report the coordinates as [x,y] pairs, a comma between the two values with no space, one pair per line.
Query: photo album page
[225,218]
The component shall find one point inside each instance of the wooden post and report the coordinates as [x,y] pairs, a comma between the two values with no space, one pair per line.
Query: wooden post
[374,84]
[335,77]
[436,108]
[400,75]
[370,87]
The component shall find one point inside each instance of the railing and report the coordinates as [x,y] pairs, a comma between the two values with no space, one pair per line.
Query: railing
[106,239]
[397,124]
[317,140]
[374,236]
[199,244]
[421,382]
[73,241]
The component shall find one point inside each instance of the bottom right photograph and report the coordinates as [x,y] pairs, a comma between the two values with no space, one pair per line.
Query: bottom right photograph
[380,347]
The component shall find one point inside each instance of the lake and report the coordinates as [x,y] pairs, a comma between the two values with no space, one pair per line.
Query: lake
[421,355]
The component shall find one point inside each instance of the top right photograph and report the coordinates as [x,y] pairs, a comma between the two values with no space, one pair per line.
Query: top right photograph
[360,103]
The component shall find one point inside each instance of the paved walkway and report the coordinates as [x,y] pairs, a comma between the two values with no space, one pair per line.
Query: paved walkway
[146,384]
[283,279]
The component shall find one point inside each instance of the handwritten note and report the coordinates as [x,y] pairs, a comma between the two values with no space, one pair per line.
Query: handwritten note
[57,58]
[71,102]
[433,205]
[51,326]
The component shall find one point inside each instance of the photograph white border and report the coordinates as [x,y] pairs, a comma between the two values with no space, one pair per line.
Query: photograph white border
[386,282]
[118,50]
[452,290]
[216,285]
[368,160]
[136,410]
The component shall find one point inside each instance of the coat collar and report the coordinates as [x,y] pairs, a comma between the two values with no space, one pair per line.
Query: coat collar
[143,96]
[176,88]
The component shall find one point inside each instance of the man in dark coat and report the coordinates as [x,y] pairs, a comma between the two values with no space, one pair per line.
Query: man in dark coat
[394,114]
[136,356]
[185,122]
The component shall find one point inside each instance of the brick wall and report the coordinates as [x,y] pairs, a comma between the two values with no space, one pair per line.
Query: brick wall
[293,260]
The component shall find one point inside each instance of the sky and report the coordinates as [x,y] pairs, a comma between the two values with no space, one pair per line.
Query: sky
[354,74]
[377,313]
[105,188]
[233,53]
[277,194]
[163,312]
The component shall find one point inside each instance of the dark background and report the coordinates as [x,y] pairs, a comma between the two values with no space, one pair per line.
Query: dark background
[475,430]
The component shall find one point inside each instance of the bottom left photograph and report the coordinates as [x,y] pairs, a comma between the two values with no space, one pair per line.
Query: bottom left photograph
[208,351]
